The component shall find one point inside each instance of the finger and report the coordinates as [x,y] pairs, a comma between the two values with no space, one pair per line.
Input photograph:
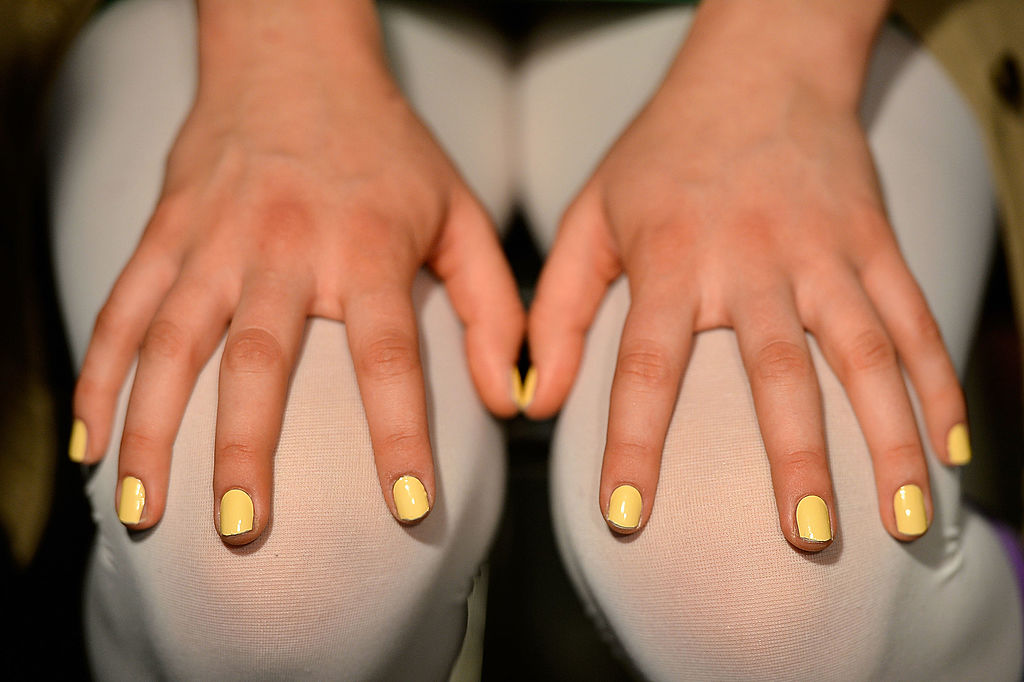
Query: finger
[788,405]
[583,261]
[117,334]
[918,340]
[859,350]
[184,333]
[259,354]
[382,337]
[480,284]
[655,344]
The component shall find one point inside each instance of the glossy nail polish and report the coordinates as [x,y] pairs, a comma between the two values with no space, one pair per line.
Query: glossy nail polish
[410,498]
[523,389]
[236,512]
[812,519]
[133,499]
[76,444]
[911,516]
[958,445]
[624,507]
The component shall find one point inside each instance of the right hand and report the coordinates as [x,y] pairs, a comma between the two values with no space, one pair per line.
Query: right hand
[301,184]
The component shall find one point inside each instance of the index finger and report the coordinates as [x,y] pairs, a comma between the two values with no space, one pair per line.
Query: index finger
[381,328]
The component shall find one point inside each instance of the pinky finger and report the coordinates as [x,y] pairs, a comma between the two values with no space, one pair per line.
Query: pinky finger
[117,334]
[918,340]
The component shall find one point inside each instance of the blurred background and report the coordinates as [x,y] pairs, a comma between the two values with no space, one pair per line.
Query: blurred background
[535,626]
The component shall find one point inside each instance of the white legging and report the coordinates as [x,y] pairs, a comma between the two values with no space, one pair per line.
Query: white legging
[336,589]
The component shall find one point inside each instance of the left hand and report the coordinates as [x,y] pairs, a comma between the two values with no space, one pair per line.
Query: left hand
[744,195]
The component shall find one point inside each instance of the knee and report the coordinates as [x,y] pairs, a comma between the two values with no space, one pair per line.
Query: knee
[710,588]
[334,586]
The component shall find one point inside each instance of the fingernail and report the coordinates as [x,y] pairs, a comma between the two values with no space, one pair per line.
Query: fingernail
[624,507]
[235,512]
[523,389]
[812,520]
[958,445]
[133,499]
[76,445]
[911,517]
[410,498]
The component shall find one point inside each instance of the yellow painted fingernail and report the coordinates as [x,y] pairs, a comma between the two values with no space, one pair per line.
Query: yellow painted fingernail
[812,520]
[235,512]
[410,498]
[958,445]
[517,384]
[624,507]
[76,445]
[911,517]
[133,499]
[523,389]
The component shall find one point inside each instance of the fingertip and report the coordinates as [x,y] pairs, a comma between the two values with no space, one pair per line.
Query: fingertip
[411,500]
[810,546]
[90,429]
[814,529]
[77,442]
[137,508]
[492,373]
[237,518]
[958,445]
[911,512]
[524,388]
[625,509]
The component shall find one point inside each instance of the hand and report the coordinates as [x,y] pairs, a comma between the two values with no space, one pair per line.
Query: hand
[744,196]
[301,184]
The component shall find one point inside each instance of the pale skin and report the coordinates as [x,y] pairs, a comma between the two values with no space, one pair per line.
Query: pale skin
[303,185]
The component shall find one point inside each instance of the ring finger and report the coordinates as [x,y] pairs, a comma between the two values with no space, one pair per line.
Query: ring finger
[859,350]
[184,333]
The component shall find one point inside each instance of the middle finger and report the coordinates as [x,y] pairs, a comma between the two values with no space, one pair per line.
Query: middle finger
[788,405]
[259,354]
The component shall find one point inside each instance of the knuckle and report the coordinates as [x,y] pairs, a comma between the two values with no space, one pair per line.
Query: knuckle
[631,451]
[781,362]
[286,223]
[253,351]
[870,350]
[902,452]
[802,462]
[166,340]
[872,220]
[238,451]
[407,440]
[136,441]
[646,365]
[926,330]
[167,214]
[109,323]
[390,356]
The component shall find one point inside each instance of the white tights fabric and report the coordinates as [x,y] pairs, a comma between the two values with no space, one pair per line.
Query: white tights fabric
[710,589]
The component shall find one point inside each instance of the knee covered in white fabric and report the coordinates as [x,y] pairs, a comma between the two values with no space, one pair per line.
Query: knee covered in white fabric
[334,586]
[710,589]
